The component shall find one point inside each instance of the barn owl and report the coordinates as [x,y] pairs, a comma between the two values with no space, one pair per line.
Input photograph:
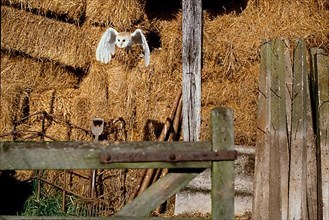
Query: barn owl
[110,38]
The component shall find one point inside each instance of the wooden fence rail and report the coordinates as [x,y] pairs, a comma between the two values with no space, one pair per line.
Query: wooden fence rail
[291,166]
[219,154]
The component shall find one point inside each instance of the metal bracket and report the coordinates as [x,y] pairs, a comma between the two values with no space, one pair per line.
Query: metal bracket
[171,156]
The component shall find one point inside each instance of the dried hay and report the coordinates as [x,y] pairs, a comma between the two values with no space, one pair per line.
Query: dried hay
[72,9]
[21,78]
[41,37]
[121,14]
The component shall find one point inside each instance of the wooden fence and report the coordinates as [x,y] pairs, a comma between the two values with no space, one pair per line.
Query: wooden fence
[292,162]
[219,154]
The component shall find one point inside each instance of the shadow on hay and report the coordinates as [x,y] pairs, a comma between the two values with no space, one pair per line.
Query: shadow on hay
[152,130]
[168,9]
[162,9]
[13,193]
[153,40]
[221,7]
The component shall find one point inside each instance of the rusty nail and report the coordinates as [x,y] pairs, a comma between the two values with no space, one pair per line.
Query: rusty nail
[106,158]
[172,157]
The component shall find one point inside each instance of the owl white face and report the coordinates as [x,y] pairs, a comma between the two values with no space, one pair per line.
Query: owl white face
[123,40]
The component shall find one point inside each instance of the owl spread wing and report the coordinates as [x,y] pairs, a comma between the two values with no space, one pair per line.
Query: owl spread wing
[106,46]
[139,38]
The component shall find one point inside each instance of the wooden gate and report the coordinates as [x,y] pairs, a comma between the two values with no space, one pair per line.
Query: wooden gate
[218,154]
[291,167]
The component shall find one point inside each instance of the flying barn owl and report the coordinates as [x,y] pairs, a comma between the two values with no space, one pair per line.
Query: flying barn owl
[110,38]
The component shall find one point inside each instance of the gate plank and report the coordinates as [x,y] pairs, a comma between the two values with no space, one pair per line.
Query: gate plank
[157,193]
[86,155]
[222,173]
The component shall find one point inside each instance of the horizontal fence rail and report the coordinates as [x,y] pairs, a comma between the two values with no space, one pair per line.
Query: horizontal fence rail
[91,155]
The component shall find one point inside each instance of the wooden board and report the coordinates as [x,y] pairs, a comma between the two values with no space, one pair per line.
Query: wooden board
[222,173]
[86,155]
[320,73]
[271,165]
[191,60]
[299,122]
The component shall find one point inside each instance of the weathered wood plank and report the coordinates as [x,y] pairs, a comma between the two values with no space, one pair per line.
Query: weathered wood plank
[191,61]
[272,154]
[157,193]
[86,155]
[285,159]
[222,173]
[321,84]
[311,154]
[262,156]
[298,168]
[279,162]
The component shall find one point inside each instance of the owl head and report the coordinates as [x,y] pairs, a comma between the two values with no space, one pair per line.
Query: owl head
[123,40]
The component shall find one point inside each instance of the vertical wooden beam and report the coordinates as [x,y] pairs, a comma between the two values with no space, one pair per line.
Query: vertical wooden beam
[284,162]
[222,173]
[320,67]
[191,59]
[299,123]
[272,155]
[279,154]
[261,183]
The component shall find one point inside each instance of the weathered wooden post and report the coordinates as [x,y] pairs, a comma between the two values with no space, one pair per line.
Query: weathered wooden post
[320,70]
[191,58]
[222,173]
[302,188]
[271,165]
[192,61]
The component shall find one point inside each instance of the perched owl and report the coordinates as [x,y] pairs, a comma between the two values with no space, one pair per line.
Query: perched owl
[110,38]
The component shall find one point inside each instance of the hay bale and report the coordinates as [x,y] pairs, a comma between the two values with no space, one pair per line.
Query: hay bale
[120,14]
[41,37]
[72,9]
[35,75]
[21,77]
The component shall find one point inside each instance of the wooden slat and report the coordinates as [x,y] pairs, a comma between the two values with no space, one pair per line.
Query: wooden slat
[86,155]
[191,61]
[158,193]
[272,154]
[278,179]
[321,84]
[298,168]
[222,173]
[284,170]
[262,156]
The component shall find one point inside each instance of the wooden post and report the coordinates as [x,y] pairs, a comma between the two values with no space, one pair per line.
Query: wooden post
[271,165]
[299,135]
[191,58]
[320,64]
[222,173]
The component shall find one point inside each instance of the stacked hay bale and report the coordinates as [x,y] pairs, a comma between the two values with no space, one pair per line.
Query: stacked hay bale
[48,62]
